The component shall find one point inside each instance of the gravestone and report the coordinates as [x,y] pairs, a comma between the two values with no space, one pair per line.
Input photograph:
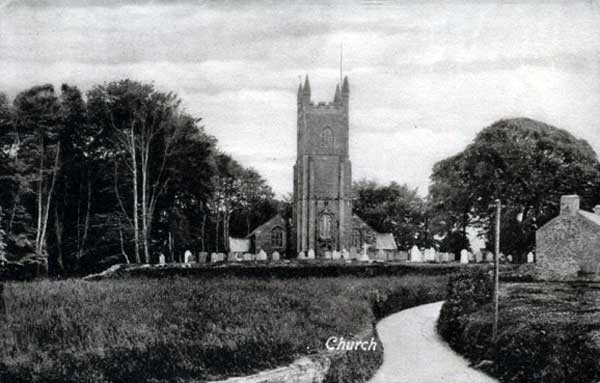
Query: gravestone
[445,257]
[327,254]
[222,257]
[530,258]
[381,255]
[364,257]
[202,257]
[509,258]
[491,257]
[415,254]
[187,257]
[311,254]
[232,257]
[464,256]
[478,256]
[336,255]
[248,257]
[275,256]
[161,259]
[213,257]
[261,256]
[429,255]
[301,255]
[471,257]
[345,254]
[353,253]
[401,256]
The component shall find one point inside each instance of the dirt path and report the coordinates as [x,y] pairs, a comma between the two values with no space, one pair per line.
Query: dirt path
[414,352]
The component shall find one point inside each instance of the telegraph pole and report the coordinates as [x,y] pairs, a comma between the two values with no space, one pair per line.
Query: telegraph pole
[496,271]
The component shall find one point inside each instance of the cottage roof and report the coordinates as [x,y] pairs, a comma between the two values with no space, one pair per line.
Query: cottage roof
[276,217]
[386,241]
[590,216]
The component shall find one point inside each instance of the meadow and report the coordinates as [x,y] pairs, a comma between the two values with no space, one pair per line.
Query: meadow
[179,329]
[547,332]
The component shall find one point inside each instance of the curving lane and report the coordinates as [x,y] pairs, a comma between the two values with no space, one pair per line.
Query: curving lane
[415,353]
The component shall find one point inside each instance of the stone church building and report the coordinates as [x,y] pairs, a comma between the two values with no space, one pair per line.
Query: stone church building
[322,198]
[568,246]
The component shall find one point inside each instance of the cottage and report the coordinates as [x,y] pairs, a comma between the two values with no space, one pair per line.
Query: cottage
[270,236]
[568,246]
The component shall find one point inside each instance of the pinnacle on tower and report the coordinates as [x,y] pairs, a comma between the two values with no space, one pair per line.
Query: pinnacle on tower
[300,90]
[345,86]
[336,98]
[306,88]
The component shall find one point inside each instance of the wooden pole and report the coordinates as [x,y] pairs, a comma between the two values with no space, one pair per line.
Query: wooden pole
[496,271]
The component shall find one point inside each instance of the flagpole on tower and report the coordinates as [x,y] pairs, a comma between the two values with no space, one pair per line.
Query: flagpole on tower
[341,57]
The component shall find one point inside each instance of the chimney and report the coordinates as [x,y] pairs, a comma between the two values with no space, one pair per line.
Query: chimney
[569,204]
[597,209]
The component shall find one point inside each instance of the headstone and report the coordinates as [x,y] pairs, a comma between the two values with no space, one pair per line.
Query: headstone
[239,257]
[248,257]
[509,258]
[275,256]
[161,259]
[187,257]
[490,257]
[232,257]
[328,254]
[311,254]
[445,257]
[471,257]
[261,256]
[354,253]
[530,258]
[381,255]
[345,254]
[202,257]
[222,257]
[464,256]
[364,257]
[301,255]
[429,255]
[478,256]
[451,257]
[415,254]
[336,255]
[213,257]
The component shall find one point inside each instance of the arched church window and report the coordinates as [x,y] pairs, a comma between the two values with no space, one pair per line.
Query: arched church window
[326,138]
[325,226]
[356,238]
[277,237]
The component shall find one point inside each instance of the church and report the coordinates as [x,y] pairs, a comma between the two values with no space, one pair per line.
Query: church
[322,217]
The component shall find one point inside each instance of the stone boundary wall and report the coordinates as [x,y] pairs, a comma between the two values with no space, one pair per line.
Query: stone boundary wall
[325,367]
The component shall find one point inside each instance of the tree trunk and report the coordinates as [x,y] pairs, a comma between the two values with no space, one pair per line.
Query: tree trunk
[202,232]
[58,231]
[217,233]
[49,199]
[123,245]
[136,225]
[86,225]
[40,197]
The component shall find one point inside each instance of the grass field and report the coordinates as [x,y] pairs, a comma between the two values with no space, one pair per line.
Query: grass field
[174,329]
[547,332]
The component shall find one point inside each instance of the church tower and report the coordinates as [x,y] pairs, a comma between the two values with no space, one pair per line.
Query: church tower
[322,173]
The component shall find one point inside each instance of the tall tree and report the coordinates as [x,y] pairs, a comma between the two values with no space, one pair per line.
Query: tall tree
[393,208]
[528,165]
[38,125]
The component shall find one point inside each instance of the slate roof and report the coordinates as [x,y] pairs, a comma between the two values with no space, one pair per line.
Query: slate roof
[385,241]
[275,217]
[590,216]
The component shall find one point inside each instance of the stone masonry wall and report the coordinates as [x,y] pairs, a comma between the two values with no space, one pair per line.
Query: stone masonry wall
[567,246]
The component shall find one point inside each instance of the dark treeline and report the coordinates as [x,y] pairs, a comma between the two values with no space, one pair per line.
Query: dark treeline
[117,175]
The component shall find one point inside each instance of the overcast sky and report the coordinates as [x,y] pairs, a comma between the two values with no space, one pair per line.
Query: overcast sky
[424,79]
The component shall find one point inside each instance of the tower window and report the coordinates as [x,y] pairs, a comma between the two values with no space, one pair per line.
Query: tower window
[326,138]
[277,237]
[325,226]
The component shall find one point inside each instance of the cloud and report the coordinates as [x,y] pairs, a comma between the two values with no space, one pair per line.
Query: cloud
[424,77]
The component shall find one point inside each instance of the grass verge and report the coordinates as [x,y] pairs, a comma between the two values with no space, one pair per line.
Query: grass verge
[178,329]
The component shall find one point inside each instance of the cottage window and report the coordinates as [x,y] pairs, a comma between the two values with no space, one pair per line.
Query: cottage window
[326,138]
[325,226]
[277,237]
